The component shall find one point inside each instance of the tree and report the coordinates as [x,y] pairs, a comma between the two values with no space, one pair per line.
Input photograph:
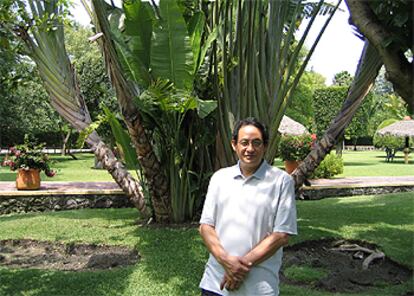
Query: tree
[24,107]
[257,63]
[152,63]
[388,25]
[301,107]
[367,70]
[41,31]
[327,103]
[343,78]
[94,82]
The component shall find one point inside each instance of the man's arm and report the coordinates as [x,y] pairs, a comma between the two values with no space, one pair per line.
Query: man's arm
[236,267]
[267,247]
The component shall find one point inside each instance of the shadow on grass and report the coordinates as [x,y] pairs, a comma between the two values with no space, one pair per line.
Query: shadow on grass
[346,163]
[42,282]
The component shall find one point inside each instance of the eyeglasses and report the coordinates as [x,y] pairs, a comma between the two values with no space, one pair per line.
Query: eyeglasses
[255,143]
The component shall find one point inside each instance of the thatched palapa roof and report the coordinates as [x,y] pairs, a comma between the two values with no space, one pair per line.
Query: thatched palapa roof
[291,127]
[402,128]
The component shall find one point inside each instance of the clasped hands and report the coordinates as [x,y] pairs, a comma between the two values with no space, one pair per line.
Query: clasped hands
[236,270]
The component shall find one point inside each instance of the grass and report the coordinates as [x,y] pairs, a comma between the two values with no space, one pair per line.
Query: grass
[372,164]
[304,273]
[67,170]
[357,163]
[173,259]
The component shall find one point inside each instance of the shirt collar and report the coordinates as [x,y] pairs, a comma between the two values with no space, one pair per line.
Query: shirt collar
[259,173]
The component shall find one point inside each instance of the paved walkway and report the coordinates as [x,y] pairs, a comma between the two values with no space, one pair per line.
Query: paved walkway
[59,188]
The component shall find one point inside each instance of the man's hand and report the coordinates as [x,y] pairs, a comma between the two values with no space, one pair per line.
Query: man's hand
[229,284]
[236,267]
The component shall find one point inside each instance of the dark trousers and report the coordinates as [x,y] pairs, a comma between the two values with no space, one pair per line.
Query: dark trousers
[208,293]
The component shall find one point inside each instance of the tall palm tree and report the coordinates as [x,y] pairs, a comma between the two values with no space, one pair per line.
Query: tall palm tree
[256,62]
[45,45]
[126,93]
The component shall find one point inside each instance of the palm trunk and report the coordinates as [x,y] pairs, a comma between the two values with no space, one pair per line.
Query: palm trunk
[119,173]
[367,71]
[126,92]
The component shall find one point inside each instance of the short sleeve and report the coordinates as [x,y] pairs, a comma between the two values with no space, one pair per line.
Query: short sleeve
[208,215]
[285,219]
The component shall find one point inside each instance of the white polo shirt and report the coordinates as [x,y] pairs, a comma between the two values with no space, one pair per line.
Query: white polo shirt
[244,211]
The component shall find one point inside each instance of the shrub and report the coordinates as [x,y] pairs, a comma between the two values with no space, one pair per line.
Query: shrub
[295,147]
[389,141]
[332,165]
[28,156]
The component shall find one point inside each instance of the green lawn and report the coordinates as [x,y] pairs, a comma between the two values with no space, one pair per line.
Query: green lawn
[372,163]
[357,163]
[173,258]
[67,170]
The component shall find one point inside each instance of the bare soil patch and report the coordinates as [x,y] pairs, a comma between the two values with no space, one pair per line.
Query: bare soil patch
[25,253]
[344,269]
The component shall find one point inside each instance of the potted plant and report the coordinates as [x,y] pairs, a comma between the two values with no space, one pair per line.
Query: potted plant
[293,149]
[29,160]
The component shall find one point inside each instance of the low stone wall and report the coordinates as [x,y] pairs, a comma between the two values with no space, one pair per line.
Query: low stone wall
[41,203]
[24,203]
[310,193]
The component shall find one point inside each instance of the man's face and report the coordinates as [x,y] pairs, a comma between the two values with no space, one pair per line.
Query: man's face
[249,147]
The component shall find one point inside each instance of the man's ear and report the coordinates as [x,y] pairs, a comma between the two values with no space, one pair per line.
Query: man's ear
[233,145]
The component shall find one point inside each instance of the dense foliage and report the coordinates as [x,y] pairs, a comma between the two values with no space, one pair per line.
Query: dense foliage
[330,166]
[301,108]
[328,101]
[295,147]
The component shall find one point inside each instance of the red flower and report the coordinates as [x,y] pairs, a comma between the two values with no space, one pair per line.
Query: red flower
[50,173]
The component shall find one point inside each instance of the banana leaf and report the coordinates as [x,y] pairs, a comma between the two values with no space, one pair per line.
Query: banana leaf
[171,52]
[123,140]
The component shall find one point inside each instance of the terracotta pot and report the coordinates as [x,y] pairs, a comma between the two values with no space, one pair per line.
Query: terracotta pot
[291,165]
[28,179]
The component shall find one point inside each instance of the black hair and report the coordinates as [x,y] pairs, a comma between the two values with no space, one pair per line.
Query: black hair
[250,121]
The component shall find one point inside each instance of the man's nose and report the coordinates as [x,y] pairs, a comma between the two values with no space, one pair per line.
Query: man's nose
[250,146]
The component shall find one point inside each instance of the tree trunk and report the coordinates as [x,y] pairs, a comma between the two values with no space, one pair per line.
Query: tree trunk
[119,173]
[152,169]
[367,71]
[399,69]
[340,144]
[65,141]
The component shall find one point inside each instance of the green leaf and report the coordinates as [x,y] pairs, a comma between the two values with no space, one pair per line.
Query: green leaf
[205,107]
[129,48]
[84,134]
[206,46]
[196,28]
[171,53]
[138,25]
[122,138]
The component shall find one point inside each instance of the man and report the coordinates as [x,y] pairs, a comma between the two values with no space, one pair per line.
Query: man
[248,215]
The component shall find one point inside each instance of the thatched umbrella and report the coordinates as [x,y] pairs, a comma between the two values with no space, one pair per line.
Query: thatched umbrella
[402,128]
[290,127]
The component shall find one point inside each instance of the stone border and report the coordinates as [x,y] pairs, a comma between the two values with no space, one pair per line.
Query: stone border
[13,201]
[316,193]
[42,202]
